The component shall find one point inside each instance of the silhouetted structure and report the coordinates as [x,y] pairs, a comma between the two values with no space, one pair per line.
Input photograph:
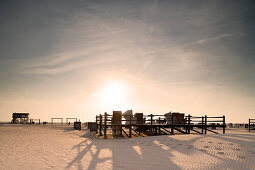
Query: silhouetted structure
[158,126]
[33,121]
[52,120]
[251,124]
[70,119]
[77,125]
[20,118]
[178,118]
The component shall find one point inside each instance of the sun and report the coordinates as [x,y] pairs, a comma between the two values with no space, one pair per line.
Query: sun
[114,95]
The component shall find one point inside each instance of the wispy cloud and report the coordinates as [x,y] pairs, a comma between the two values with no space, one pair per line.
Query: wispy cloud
[219,37]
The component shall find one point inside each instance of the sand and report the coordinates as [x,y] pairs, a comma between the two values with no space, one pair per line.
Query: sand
[47,147]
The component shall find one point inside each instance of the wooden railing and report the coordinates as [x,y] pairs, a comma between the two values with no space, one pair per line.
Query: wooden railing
[156,122]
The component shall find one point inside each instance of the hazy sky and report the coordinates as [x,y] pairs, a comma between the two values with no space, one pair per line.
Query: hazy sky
[58,57]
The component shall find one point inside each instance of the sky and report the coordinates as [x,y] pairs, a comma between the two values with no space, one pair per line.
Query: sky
[82,58]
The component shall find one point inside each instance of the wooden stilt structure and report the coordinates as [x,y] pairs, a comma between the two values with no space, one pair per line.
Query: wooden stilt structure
[153,126]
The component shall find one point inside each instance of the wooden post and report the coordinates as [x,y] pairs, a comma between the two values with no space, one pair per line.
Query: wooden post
[151,130]
[105,121]
[249,125]
[202,124]
[121,130]
[39,122]
[205,124]
[100,125]
[172,125]
[186,129]
[130,125]
[97,125]
[224,124]
[189,124]
[159,126]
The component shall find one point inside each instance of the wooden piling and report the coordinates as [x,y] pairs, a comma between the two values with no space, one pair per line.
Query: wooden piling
[100,125]
[130,126]
[105,126]
[224,124]
[189,124]
[249,125]
[159,126]
[205,124]
[172,125]
[97,124]
[151,130]
[202,124]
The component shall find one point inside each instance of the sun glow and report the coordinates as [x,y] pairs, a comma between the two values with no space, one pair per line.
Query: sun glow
[114,95]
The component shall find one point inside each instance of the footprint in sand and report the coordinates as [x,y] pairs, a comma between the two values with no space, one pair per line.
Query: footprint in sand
[206,146]
[241,157]
[220,143]
[201,141]
[237,149]
[218,149]
[231,144]
[221,153]
[251,152]
[210,142]
[202,150]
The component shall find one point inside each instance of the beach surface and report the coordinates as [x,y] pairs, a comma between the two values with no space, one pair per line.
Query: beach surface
[60,147]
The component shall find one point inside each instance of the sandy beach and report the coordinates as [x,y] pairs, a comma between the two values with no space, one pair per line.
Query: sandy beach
[55,147]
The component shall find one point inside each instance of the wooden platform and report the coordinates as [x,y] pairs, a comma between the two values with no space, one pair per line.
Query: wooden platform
[194,124]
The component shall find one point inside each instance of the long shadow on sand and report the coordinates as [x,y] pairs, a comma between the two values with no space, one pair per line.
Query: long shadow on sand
[155,152]
[135,153]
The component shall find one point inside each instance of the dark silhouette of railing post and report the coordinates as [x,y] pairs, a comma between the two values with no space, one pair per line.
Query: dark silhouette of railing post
[100,125]
[189,123]
[224,124]
[105,126]
[202,124]
[151,130]
[205,124]
[130,125]
[159,126]
[172,124]
[97,124]
[249,125]
[121,129]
